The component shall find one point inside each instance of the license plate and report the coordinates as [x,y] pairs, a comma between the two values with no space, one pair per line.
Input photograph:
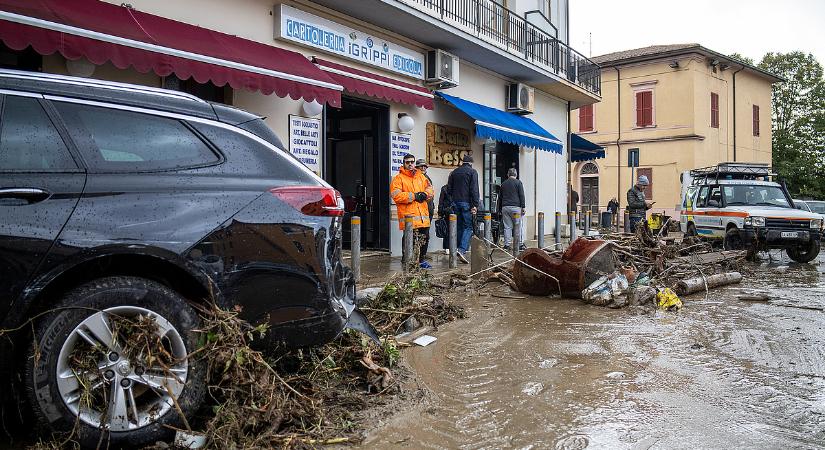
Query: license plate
[789,234]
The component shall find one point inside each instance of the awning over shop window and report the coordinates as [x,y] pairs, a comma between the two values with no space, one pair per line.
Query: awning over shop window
[584,150]
[102,32]
[505,127]
[366,83]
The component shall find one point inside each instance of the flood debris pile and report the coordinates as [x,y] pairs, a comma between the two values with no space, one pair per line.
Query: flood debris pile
[619,270]
[288,399]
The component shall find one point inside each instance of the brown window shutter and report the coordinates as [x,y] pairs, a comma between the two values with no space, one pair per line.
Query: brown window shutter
[755,120]
[648,172]
[640,109]
[644,109]
[586,118]
[714,110]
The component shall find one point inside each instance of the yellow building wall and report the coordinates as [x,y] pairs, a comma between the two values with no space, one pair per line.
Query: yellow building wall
[682,137]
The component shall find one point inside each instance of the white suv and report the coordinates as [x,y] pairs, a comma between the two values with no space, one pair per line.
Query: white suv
[737,204]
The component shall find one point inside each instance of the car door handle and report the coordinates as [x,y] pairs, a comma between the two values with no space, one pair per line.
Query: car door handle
[28,195]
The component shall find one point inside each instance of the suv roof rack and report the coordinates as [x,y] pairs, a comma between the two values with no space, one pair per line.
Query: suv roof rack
[732,171]
[65,79]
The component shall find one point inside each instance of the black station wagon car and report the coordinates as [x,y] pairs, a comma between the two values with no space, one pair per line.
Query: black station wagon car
[122,201]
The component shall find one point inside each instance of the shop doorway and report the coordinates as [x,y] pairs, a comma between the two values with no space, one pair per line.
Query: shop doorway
[357,163]
[589,180]
[499,157]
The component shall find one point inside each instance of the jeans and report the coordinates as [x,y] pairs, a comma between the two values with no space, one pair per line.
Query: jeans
[464,225]
[508,220]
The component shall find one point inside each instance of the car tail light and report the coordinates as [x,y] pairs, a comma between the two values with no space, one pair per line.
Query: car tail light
[312,200]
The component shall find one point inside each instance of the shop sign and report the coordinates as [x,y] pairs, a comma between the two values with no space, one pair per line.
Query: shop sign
[305,141]
[446,145]
[308,29]
[400,145]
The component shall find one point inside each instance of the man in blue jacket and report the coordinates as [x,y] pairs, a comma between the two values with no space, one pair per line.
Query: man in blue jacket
[463,185]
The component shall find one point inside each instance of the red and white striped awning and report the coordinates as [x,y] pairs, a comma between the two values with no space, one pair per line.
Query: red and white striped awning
[367,83]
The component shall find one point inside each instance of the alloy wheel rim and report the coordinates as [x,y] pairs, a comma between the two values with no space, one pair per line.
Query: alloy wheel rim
[107,384]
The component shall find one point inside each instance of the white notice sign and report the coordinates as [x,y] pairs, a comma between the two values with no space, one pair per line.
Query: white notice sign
[400,145]
[305,141]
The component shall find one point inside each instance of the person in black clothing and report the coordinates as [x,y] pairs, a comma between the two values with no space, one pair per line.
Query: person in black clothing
[510,203]
[613,208]
[463,185]
[445,208]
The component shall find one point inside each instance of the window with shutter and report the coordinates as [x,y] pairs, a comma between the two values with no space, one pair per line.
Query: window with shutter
[586,118]
[714,110]
[755,120]
[644,108]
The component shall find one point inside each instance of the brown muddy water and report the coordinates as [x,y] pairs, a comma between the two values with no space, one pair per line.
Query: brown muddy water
[540,373]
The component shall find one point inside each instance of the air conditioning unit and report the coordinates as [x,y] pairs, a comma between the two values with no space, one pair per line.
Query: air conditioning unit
[521,99]
[442,69]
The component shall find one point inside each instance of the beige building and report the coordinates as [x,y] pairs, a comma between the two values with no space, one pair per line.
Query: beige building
[680,107]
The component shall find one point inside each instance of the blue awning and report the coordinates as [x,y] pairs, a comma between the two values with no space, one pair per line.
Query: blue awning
[505,127]
[584,150]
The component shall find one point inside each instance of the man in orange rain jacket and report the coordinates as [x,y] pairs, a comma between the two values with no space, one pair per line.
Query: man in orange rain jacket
[410,190]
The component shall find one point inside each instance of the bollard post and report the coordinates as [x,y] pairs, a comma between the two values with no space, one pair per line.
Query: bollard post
[453,230]
[626,222]
[558,230]
[587,218]
[408,254]
[488,234]
[573,230]
[516,233]
[355,247]
[540,230]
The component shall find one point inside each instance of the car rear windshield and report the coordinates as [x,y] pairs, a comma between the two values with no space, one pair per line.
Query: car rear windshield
[746,195]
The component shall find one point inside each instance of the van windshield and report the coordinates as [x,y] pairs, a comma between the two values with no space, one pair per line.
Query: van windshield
[816,206]
[755,196]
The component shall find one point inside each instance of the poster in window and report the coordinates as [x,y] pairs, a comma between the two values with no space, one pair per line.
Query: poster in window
[400,145]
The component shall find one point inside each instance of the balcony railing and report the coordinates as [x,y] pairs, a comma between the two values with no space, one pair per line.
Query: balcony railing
[494,23]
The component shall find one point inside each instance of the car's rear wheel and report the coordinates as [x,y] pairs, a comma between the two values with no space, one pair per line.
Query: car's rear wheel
[691,231]
[733,241]
[805,254]
[111,363]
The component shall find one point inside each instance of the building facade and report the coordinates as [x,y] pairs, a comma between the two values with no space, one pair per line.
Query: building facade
[678,107]
[347,116]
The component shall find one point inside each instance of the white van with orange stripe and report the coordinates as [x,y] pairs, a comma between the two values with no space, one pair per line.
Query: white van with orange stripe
[735,204]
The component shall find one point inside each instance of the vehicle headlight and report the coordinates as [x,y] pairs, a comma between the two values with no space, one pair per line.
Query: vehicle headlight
[755,221]
[816,223]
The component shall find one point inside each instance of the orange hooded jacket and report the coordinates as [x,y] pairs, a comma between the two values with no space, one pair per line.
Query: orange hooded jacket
[403,189]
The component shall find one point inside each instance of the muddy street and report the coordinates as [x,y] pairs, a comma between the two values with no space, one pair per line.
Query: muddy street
[548,373]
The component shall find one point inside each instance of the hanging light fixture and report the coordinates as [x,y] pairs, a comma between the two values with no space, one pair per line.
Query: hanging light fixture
[312,108]
[405,122]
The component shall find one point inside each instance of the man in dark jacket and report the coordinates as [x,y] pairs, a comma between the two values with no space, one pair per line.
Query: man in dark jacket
[637,206]
[422,166]
[463,185]
[510,203]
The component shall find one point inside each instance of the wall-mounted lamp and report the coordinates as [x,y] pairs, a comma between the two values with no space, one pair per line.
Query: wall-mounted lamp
[723,66]
[312,108]
[674,64]
[405,123]
[80,67]
[714,62]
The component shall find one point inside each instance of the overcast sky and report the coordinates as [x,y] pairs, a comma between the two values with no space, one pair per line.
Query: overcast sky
[749,27]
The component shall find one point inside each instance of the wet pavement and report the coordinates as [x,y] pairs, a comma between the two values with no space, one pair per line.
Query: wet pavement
[539,373]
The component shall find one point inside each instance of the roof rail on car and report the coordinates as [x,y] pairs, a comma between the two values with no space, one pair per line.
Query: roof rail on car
[78,81]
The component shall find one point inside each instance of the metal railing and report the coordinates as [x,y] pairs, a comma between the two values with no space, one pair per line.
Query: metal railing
[494,23]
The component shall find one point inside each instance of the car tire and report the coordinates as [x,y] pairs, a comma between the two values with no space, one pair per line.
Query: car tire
[691,231]
[122,379]
[733,241]
[805,255]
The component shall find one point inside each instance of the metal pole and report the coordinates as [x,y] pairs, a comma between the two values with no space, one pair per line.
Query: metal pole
[516,233]
[573,230]
[408,255]
[587,218]
[488,234]
[558,230]
[453,229]
[355,246]
[626,222]
[540,231]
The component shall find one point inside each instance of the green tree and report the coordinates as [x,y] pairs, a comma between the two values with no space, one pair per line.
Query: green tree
[743,59]
[798,121]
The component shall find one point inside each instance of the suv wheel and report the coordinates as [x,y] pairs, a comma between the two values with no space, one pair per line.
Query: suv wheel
[691,230]
[733,241]
[110,363]
[805,254]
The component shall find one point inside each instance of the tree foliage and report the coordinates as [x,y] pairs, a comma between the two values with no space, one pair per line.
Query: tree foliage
[798,120]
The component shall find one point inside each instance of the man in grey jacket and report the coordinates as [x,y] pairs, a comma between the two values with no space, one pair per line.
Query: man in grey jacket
[510,203]
[637,206]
